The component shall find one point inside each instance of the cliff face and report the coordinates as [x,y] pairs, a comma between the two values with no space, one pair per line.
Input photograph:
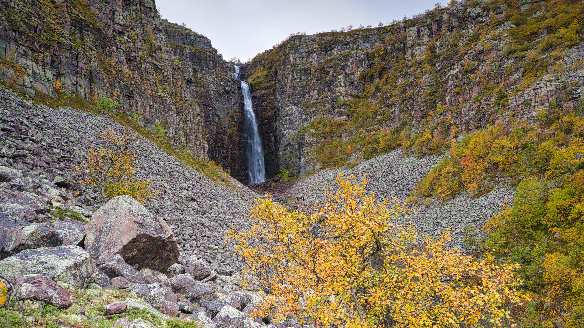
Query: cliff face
[163,75]
[337,98]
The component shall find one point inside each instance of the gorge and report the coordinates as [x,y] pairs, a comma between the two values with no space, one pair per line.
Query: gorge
[133,156]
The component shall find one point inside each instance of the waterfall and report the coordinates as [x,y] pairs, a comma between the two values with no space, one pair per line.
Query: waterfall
[254,152]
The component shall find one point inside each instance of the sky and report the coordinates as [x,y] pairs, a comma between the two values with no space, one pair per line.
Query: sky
[243,28]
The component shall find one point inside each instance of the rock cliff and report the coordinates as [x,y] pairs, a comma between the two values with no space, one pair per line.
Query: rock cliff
[165,76]
[338,98]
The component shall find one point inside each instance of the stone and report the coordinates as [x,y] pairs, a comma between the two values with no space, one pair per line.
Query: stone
[8,174]
[160,297]
[18,235]
[186,307]
[176,269]
[41,288]
[199,290]
[68,264]
[125,227]
[117,267]
[211,305]
[120,283]
[154,277]
[116,308]
[239,300]
[23,205]
[228,316]
[182,283]
[136,323]
[198,269]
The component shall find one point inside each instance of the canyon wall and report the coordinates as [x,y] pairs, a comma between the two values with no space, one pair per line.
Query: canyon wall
[164,76]
[337,98]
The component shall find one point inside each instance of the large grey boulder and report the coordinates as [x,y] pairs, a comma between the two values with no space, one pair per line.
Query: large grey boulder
[68,264]
[125,227]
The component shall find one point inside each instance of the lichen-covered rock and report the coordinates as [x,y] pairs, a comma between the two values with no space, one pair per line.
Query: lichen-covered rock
[181,283]
[19,236]
[160,297]
[125,227]
[41,288]
[198,268]
[68,264]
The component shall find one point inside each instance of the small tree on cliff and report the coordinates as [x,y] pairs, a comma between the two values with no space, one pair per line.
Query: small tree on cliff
[348,265]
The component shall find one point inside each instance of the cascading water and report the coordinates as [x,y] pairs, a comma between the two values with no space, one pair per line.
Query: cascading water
[254,151]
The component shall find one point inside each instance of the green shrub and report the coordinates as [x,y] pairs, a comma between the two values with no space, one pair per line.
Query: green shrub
[107,105]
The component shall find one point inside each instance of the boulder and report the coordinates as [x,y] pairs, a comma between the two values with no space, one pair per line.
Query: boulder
[154,277]
[9,234]
[117,267]
[160,297]
[125,227]
[41,288]
[120,283]
[199,290]
[181,283]
[240,300]
[229,316]
[68,264]
[176,269]
[23,205]
[212,305]
[8,174]
[17,235]
[116,308]
[198,268]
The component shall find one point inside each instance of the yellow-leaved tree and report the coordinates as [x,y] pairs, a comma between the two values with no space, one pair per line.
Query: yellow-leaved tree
[111,167]
[349,265]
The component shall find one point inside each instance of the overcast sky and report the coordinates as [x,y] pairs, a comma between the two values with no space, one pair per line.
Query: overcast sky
[244,28]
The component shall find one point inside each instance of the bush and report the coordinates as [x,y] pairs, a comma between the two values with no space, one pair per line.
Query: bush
[107,105]
[111,167]
[348,264]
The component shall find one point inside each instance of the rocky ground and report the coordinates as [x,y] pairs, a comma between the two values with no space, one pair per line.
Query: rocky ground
[393,177]
[124,264]
[182,265]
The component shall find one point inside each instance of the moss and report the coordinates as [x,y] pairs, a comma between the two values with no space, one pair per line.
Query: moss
[61,213]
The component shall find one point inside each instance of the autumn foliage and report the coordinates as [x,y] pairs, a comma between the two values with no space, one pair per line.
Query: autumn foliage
[111,167]
[348,264]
